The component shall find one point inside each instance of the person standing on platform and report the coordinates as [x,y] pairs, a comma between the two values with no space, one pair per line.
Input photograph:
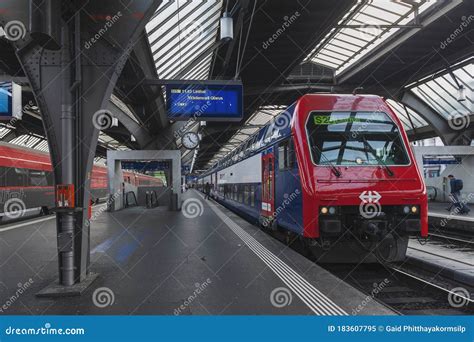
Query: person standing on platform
[207,190]
[456,186]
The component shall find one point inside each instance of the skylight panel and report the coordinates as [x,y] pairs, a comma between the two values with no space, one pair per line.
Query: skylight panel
[361,30]
[181,31]
[440,91]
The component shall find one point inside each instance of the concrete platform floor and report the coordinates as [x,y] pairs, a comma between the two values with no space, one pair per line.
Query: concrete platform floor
[204,260]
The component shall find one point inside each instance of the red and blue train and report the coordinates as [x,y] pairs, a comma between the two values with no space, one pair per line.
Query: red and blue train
[26,174]
[335,170]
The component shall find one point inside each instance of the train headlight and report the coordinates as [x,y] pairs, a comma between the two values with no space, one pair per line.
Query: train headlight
[324,210]
[332,210]
[406,210]
[414,209]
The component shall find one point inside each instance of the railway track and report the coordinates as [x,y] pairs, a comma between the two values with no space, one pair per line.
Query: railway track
[404,292]
[404,287]
[453,238]
[459,235]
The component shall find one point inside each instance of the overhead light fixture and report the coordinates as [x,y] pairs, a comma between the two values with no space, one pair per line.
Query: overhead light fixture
[115,122]
[227,27]
[461,93]
[132,138]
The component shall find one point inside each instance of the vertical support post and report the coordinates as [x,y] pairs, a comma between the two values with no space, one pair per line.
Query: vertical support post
[66,219]
[69,106]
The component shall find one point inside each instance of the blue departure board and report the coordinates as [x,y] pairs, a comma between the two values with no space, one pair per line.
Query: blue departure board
[204,102]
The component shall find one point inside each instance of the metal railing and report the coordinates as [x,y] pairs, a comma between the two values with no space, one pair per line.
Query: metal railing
[127,204]
[151,199]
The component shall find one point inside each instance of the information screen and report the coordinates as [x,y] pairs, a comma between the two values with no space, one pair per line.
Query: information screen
[204,102]
[10,101]
[5,99]
[145,166]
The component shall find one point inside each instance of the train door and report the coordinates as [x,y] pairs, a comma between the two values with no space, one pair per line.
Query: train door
[268,184]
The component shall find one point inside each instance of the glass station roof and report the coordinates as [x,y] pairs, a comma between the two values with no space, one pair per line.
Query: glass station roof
[31,141]
[181,34]
[364,27]
[440,90]
[41,144]
[407,116]
[258,119]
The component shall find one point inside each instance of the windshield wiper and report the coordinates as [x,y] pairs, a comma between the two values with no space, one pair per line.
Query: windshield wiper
[374,153]
[334,169]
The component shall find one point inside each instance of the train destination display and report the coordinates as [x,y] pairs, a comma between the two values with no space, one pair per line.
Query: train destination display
[204,102]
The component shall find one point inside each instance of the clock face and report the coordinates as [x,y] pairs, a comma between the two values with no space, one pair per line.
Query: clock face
[190,140]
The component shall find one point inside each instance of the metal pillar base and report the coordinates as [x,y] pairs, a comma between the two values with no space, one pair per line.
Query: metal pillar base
[56,290]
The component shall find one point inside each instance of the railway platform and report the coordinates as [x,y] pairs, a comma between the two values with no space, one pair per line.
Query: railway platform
[447,257]
[200,261]
[443,220]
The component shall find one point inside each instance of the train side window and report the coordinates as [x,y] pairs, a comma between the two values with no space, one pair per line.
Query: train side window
[49,177]
[37,178]
[16,177]
[3,175]
[286,155]
[282,148]
[252,195]
[291,156]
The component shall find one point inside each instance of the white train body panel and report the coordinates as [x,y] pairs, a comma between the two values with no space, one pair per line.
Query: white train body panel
[246,171]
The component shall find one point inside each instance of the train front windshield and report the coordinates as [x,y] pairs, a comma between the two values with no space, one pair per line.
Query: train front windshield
[355,138]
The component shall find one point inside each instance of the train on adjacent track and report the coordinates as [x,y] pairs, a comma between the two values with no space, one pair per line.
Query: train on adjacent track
[27,175]
[335,171]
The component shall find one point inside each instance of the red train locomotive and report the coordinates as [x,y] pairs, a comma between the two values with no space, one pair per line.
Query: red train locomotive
[336,170]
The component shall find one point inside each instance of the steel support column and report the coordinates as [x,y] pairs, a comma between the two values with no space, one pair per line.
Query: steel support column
[71,85]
